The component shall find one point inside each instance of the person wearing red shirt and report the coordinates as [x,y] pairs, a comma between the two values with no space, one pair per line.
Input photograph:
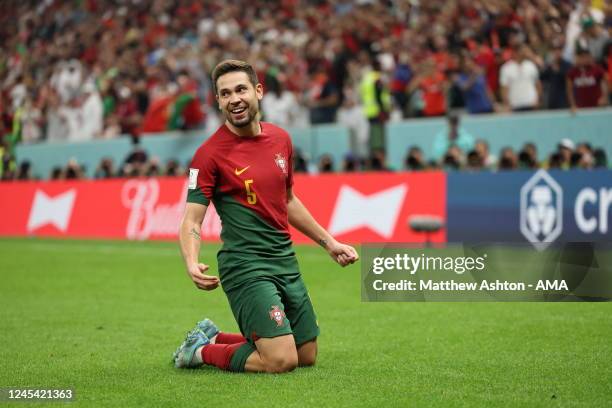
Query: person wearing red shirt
[433,85]
[585,83]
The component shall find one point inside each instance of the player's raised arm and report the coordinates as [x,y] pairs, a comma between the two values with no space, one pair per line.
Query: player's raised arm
[300,218]
[189,237]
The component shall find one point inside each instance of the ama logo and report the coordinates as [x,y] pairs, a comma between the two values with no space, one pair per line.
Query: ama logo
[541,210]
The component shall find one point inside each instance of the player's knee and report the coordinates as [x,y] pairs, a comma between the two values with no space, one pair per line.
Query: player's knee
[307,354]
[282,363]
[307,360]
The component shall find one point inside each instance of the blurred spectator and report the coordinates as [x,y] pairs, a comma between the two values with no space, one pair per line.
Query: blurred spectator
[600,158]
[553,76]
[433,86]
[474,161]
[153,169]
[593,38]
[555,161]
[453,159]
[351,115]
[583,10]
[607,65]
[173,105]
[584,148]
[135,163]
[482,148]
[350,164]
[105,169]
[376,101]
[25,171]
[57,173]
[7,162]
[585,84]
[519,79]
[580,160]
[126,112]
[526,161]
[67,79]
[173,168]
[582,157]
[326,164]
[477,96]
[92,113]
[279,105]
[507,159]
[186,110]
[414,159]
[565,150]
[323,97]
[300,164]
[453,135]
[378,161]
[73,171]
[401,77]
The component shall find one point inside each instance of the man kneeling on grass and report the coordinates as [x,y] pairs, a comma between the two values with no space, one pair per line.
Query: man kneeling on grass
[246,169]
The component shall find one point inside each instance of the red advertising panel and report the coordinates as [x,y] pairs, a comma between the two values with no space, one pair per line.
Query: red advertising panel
[355,208]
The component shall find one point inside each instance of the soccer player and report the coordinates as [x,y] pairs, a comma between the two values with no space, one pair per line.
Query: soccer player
[245,169]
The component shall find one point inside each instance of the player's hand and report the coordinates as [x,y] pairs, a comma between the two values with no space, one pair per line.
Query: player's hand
[573,110]
[202,281]
[343,254]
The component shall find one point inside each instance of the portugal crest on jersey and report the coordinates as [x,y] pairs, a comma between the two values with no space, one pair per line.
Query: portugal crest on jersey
[281,162]
[277,315]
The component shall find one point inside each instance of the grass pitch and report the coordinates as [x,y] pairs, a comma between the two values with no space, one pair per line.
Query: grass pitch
[104,317]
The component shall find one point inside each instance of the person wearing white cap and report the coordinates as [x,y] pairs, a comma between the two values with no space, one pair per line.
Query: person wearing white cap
[566,148]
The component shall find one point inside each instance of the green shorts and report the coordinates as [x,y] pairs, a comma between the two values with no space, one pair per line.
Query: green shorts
[274,305]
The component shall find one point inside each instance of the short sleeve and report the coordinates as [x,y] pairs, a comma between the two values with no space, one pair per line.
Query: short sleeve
[202,178]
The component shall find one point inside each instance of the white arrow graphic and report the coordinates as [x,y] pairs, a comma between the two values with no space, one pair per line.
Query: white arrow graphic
[378,211]
[51,210]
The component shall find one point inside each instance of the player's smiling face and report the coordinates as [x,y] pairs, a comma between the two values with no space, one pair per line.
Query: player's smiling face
[238,98]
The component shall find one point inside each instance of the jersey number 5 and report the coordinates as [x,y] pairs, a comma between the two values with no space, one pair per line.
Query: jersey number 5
[251,197]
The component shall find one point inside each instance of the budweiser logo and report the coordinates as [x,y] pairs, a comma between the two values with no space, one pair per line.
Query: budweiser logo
[150,219]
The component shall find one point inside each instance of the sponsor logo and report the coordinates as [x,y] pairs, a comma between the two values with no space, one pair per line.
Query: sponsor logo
[281,162]
[148,218]
[277,315]
[55,211]
[541,212]
[193,178]
[591,210]
[377,212]
[239,172]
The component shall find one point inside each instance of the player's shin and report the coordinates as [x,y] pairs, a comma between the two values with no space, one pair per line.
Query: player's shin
[230,357]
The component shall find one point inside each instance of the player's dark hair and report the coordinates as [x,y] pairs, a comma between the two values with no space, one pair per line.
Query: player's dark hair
[227,66]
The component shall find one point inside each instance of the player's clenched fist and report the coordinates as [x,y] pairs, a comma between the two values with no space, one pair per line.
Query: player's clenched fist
[202,281]
[343,254]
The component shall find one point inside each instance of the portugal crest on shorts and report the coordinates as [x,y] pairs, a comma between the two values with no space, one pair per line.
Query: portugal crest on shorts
[281,162]
[277,315]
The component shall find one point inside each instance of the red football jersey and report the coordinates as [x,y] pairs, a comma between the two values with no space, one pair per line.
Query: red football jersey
[247,179]
[587,85]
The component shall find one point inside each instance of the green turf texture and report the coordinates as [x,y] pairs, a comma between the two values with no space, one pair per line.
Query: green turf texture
[104,317]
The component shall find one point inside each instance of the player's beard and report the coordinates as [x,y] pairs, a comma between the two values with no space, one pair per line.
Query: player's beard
[251,113]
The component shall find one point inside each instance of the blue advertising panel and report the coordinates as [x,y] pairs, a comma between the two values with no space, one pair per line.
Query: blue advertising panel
[539,207]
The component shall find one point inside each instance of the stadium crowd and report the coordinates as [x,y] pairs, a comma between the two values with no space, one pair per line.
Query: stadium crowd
[81,70]
[462,152]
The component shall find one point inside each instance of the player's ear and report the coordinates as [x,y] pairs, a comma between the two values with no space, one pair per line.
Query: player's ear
[259,91]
